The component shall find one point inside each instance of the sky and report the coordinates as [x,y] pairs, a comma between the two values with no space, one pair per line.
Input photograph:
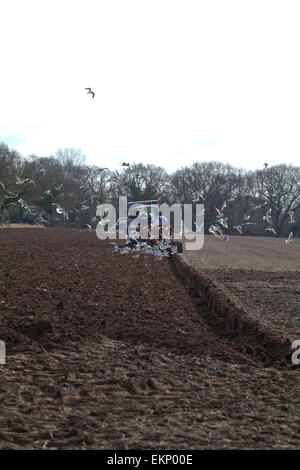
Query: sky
[175,82]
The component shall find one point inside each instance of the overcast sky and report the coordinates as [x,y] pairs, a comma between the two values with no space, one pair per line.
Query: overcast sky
[175,81]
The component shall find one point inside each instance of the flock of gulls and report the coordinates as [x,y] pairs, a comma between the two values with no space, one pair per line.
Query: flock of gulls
[161,248]
[217,229]
[158,248]
[15,199]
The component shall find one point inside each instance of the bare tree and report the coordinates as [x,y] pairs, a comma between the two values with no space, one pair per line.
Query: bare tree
[278,189]
[70,157]
[210,183]
[139,182]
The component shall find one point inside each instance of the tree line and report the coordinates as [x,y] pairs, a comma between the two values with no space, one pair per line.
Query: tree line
[62,190]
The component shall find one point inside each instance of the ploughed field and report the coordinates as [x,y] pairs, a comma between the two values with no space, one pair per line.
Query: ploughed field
[261,274]
[106,351]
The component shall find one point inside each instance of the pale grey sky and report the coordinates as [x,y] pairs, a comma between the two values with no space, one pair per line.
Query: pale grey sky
[175,81]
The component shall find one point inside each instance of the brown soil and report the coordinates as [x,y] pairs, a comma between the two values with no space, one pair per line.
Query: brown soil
[268,254]
[260,275]
[109,352]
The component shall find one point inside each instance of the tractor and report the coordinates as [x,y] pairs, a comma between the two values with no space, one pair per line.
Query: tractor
[134,221]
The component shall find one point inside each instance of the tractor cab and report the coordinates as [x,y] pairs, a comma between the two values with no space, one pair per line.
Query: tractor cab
[140,207]
[159,220]
[134,221]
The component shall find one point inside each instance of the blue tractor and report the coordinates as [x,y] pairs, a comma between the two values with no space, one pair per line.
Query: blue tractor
[160,220]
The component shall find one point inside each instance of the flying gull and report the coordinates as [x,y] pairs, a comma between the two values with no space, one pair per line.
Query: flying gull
[290,238]
[238,228]
[90,91]
[268,217]
[220,213]
[292,219]
[271,229]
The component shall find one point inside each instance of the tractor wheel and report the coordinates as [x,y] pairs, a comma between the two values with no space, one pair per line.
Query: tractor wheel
[179,247]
